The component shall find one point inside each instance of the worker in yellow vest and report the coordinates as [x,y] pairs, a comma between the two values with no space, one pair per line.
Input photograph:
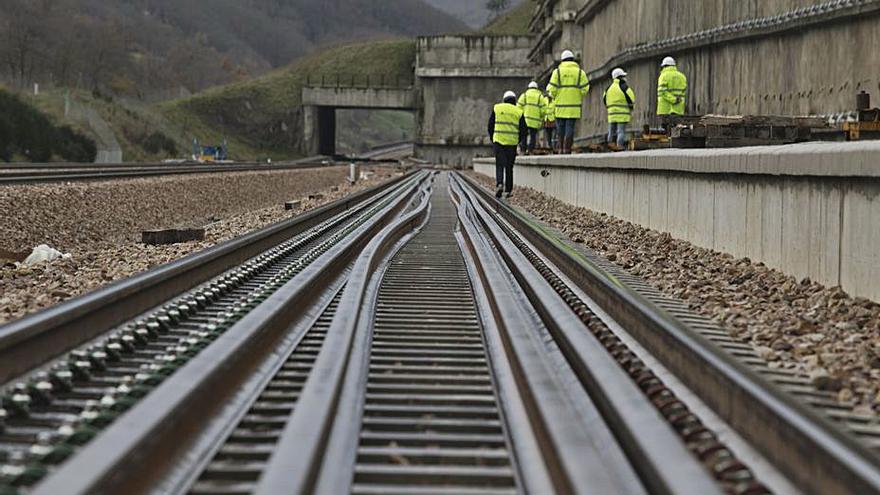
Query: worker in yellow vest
[568,86]
[550,121]
[507,129]
[671,91]
[532,104]
[620,100]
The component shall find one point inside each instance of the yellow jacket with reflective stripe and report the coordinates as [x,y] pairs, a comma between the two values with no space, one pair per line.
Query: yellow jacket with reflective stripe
[532,104]
[549,110]
[671,86]
[619,110]
[507,117]
[568,86]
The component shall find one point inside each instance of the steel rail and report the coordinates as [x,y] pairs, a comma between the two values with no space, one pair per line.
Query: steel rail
[35,339]
[98,172]
[806,447]
[298,465]
[566,431]
[146,440]
[656,452]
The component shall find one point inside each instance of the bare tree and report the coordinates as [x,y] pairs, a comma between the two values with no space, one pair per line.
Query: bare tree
[497,6]
[20,35]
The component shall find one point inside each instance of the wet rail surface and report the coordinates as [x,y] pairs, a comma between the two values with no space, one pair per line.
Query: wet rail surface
[428,341]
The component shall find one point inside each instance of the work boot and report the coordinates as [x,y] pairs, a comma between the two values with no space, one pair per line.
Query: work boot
[508,194]
[498,190]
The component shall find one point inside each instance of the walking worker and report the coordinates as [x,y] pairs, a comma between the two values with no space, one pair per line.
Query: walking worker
[507,129]
[532,104]
[550,121]
[620,100]
[568,86]
[671,89]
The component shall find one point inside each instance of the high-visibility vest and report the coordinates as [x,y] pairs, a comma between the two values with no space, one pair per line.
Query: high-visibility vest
[532,104]
[568,86]
[549,110]
[507,117]
[672,85]
[619,110]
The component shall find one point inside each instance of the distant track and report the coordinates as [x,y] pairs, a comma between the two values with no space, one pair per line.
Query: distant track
[68,172]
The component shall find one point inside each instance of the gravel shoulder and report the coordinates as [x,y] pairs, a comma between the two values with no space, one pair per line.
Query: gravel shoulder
[108,249]
[800,325]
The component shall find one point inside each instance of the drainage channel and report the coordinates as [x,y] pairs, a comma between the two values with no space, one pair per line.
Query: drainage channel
[431,422]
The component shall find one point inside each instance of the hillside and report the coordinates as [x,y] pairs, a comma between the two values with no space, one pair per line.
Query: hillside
[261,117]
[515,21]
[473,12]
[26,134]
[151,48]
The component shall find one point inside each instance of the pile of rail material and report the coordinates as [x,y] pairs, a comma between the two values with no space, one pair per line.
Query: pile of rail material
[724,131]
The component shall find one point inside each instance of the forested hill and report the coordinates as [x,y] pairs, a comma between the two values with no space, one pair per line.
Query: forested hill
[143,47]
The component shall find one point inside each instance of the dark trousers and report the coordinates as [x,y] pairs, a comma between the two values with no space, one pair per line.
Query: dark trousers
[549,131]
[505,156]
[533,139]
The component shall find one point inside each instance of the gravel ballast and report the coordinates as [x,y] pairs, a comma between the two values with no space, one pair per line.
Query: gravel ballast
[72,215]
[108,249]
[801,325]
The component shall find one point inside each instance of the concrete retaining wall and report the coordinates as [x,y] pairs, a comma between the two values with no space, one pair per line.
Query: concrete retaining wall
[816,68]
[810,210]
[459,79]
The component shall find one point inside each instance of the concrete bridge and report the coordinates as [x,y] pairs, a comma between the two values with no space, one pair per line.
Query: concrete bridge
[320,104]
[456,81]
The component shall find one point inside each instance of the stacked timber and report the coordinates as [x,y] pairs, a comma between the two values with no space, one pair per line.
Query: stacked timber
[731,131]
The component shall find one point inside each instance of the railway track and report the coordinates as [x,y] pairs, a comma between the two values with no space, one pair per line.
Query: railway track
[35,174]
[419,338]
[76,172]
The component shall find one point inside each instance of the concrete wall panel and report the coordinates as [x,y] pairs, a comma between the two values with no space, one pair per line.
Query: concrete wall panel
[860,248]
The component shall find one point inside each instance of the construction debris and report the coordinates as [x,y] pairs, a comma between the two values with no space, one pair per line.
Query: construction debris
[172,236]
[42,254]
[729,131]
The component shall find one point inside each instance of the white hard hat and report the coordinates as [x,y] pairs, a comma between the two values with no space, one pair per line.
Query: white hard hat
[509,94]
[533,85]
[567,55]
[667,62]
[618,72]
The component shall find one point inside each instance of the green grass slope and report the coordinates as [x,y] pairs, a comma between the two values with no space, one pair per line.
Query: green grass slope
[514,22]
[261,117]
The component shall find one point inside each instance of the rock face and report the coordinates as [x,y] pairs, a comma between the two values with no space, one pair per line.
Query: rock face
[794,324]
[120,253]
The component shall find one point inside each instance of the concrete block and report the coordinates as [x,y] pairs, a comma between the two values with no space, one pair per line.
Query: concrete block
[292,205]
[824,233]
[795,228]
[641,198]
[730,217]
[658,188]
[771,224]
[860,256]
[606,191]
[172,236]
[754,234]
[678,207]
[701,219]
